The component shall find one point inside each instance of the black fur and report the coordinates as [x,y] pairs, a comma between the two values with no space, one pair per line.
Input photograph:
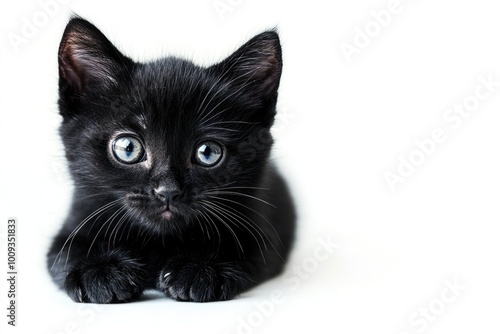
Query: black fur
[166,222]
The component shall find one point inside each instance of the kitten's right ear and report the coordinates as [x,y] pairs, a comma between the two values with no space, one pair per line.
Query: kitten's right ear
[87,57]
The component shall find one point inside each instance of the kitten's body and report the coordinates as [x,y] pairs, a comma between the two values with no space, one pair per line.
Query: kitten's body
[189,204]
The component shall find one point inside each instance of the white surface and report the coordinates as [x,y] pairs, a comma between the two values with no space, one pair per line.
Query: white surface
[345,126]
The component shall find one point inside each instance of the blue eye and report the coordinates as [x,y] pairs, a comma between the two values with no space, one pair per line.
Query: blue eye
[128,150]
[208,154]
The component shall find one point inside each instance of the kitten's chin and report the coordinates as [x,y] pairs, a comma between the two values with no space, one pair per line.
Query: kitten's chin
[166,215]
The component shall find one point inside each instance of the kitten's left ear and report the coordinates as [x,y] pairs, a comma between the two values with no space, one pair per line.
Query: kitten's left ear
[87,57]
[255,67]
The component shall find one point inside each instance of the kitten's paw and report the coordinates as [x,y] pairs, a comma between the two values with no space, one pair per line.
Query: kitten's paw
[109,278]
[203,281]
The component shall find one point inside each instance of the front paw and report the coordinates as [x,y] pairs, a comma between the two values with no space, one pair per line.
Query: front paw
[202,280]
[113,277]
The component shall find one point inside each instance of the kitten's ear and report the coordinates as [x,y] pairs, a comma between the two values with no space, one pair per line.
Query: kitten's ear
[255,66]
[86,56]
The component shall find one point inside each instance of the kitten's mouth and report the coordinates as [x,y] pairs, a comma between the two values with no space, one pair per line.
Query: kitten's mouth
[166,212]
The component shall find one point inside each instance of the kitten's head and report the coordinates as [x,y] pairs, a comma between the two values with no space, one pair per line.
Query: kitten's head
[162,138]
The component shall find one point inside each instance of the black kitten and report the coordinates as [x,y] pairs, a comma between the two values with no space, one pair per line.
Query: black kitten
[170,161]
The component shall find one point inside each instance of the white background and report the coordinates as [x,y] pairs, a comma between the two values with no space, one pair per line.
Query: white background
[343,125]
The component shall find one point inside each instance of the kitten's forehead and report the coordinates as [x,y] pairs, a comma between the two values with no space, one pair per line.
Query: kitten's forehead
[176,92]
[170,73]
[168,85]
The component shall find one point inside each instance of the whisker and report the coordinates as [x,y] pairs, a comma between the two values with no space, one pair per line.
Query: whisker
[251,222]
[221,192]
[227,226]
[212,225]
[243,187]
[118,225]
[110,219]
[251,209]
[77,229]
[241,220]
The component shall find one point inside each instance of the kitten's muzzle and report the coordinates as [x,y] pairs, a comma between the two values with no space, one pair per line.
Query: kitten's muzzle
[167,195]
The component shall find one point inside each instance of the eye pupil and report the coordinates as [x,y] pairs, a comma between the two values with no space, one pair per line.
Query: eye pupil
[206,151]
[208,154]
[129,148]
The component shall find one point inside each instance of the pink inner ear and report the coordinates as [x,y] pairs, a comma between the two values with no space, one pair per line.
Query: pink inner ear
[81,61]
[69,69]
[269,71]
